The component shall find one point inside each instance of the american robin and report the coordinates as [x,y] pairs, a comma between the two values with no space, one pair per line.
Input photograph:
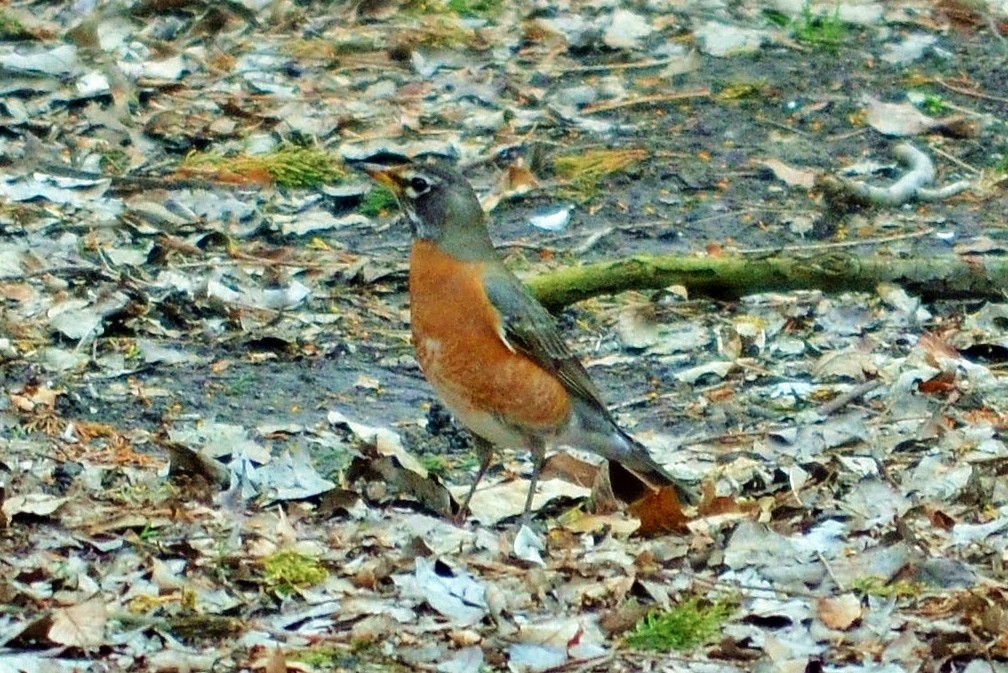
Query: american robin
[488,348]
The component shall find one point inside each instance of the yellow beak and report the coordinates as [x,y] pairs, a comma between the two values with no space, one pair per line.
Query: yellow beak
[384,176]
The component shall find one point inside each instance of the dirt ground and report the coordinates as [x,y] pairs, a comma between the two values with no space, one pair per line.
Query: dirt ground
[701,187]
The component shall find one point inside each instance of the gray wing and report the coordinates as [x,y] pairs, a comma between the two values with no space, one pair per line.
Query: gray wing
[530,329]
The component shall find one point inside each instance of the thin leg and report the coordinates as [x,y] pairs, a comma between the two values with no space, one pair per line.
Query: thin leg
[484,450]
[538,460]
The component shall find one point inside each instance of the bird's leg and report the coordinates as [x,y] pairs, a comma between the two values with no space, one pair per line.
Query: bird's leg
[538,460]
[484,450]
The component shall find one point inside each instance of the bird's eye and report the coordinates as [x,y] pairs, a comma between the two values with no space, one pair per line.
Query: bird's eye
[419,185]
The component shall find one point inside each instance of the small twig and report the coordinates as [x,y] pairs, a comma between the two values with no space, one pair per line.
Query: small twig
[645,100]
[993,27]
[592,241]
[964,110]
[967,92]
[654,63]
[846,136]
[920,172]
[652,224]
[955,160]
[736,437]
[840,244]
[753,588]
[854,393]
[781,125]
[581,665]
[829,571]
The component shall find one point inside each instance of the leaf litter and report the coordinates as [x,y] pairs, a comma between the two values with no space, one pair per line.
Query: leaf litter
[218,451]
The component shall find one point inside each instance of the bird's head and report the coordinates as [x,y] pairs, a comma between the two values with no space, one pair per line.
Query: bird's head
[439,204]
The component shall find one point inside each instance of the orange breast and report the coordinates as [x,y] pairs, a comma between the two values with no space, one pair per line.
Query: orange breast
[458,344]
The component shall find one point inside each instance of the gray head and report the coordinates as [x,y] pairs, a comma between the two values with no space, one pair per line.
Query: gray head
[440,206]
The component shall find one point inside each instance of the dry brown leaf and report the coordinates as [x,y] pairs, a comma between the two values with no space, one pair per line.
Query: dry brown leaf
[939,384]
[617,523]
[20,292]
[567,467]
[794,177]
[277,661]
[840,612]
[37,504]
[718,505]
[938,351]
[660,513]
[939,519]
[33,396]
[517,179]
[80,625]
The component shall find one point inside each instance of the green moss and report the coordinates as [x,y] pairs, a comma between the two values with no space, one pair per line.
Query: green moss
[330,50]
[287,166]
[377,202]
[777,17]
[434,24]
[12,29]
[933,104]
[424,7]
[585,170]
[880,586]
[326,657]
[294,166]
[823,31]
[114,161]
[192,628]
[476,9]
[321,656]
[149,533]
[287,570]
[442,32]
[744,90]
[435,464]
[241,385]
[686,626]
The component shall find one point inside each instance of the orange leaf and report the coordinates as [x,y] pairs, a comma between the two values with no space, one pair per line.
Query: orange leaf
[940,519]
[718,505]
[518,179]
[943,382]
[660,512]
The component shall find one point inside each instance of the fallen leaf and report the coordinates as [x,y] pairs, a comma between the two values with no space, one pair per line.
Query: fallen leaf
[529,547]
[712,504]
[80,625]
[494,503]
[567,467]
[939,384]
[37,504]
[32,396]
[794,177]
[839,613]
[660,513]
[897,119]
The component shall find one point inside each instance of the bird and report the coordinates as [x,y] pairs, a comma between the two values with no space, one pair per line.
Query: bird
[492,353]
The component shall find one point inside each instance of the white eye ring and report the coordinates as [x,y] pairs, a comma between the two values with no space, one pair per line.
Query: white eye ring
[417,185]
